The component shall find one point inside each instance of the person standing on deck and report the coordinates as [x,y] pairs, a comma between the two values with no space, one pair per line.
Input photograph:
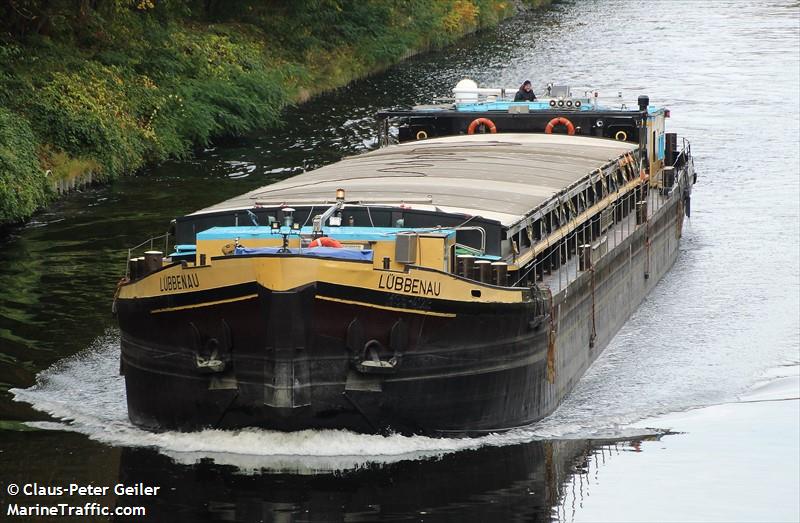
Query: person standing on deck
[525,93]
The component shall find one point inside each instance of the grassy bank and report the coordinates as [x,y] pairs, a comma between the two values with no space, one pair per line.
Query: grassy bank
[104,88]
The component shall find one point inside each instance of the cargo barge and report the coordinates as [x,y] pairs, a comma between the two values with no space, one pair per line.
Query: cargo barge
[458,282]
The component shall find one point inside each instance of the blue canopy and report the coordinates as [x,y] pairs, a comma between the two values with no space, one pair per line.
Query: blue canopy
[316,252]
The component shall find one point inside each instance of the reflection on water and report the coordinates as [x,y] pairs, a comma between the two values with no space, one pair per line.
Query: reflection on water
[726,312]
[522,482]
[513,483]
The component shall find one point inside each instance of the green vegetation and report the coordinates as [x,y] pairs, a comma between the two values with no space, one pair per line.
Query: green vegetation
[22,186]
[106,87]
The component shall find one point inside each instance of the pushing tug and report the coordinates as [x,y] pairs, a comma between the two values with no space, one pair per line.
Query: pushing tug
[458,282]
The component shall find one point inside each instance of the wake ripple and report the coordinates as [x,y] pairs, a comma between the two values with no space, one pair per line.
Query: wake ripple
[86,394]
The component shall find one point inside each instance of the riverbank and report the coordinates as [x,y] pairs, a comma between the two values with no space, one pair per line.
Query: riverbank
[94,92]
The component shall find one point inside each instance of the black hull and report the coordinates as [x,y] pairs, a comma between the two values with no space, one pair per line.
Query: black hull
[287,369]
[292,360]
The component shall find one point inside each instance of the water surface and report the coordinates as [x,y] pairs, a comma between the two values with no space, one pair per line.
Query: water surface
[723,319]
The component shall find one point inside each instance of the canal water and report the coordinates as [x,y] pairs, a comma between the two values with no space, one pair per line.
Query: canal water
[692,413]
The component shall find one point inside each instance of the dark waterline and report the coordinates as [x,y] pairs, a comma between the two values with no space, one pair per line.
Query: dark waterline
[726,312]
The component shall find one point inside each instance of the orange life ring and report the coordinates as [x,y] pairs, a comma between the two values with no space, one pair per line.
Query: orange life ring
[559,121]
[324,241]
[481,121]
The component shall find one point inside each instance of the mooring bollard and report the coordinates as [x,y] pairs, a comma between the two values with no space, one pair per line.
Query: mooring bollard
[133,269]
[141,268]
[464,265]
[152,261]
[500,273]
[483,271]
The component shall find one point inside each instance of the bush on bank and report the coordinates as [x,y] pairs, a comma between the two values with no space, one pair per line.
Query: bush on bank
[108,87]
[22,184]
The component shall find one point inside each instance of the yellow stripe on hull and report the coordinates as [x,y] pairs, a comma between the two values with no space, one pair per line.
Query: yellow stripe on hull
[204,304]
[387,308]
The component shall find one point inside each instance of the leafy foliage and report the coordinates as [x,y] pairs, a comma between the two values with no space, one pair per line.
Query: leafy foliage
[111,86]
[22,181]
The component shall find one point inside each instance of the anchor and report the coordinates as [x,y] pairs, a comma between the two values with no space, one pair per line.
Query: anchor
[211,354]
[372,356]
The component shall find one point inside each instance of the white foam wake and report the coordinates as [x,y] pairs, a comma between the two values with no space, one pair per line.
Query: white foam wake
[86,394]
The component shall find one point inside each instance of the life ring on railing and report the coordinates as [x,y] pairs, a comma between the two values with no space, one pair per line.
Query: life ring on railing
[560,120]
[324,241]
[473,126]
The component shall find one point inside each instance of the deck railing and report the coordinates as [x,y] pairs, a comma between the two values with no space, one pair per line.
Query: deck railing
[569,248]
[151,242]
